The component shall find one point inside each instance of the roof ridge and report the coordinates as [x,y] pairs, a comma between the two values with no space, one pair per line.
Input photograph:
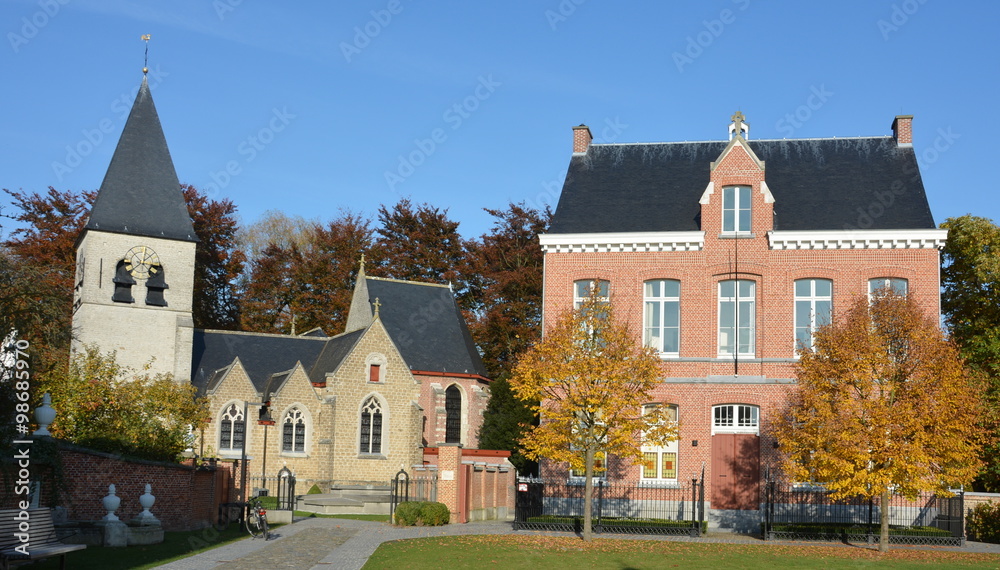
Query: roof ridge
[392,280]
[751,141]
[272,335]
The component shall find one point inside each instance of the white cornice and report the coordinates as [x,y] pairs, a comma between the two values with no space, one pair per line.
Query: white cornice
[857,239]
[623,241]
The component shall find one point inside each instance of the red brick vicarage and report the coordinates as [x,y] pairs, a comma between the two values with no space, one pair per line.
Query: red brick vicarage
[824,220]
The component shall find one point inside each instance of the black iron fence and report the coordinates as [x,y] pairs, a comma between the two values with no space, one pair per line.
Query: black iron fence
[277,492]
[798,512]
[406,488]
[617,507]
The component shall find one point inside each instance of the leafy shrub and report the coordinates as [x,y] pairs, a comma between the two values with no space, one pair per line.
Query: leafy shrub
[314,490]
[421,513]
[983,522]
[434,514]
[407,513]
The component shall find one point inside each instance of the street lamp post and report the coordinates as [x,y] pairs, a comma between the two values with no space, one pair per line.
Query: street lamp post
[243,451]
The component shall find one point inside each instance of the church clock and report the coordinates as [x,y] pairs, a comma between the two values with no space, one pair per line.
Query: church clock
[140,261]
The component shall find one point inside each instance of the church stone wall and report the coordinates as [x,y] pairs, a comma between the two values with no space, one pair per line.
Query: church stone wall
[398,391]
[140,334]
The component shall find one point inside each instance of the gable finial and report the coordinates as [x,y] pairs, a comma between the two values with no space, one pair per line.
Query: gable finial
[377,304]
[362,263]
[739,126]
[145,63]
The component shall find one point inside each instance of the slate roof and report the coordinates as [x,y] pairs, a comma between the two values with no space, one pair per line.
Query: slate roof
[427,326]
[140,194]
[334,353]
[261,355]
[817,184]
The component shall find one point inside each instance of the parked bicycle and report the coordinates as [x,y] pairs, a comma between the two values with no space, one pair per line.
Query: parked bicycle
[256,519]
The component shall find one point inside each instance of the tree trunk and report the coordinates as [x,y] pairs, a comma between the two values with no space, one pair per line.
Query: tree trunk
[588,495]
[883,544]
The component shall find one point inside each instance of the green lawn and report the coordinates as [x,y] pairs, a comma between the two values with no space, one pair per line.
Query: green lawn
[564,553]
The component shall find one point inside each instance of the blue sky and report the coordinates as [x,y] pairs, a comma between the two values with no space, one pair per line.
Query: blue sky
[312,107]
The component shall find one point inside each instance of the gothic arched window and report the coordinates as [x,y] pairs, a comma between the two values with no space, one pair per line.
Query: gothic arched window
[453,414]
[293,435]
[232,431]
[371,426]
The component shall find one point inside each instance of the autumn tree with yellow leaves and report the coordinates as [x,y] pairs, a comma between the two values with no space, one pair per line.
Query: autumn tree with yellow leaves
[591,382]
[884,406]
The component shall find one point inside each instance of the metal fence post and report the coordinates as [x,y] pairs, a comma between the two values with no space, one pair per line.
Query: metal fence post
[600,503]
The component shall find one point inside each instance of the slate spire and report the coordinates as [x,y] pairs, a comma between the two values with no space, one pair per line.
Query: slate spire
[360,314]
[141,194]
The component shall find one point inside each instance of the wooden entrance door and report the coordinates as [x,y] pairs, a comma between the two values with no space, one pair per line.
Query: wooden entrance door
[735,471]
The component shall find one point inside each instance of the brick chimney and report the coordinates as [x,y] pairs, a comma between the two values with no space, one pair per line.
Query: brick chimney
[902,130]
[581,139]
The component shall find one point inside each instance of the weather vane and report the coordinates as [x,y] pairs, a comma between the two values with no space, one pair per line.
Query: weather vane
[145,63]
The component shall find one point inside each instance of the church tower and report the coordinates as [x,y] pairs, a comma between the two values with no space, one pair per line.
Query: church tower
[135,258]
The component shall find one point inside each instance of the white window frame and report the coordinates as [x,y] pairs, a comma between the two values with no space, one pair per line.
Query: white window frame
[735,200]
[660,451]
[658,306]
[736,418]
[582,288]
[815,319]
[724,311]
[891,282]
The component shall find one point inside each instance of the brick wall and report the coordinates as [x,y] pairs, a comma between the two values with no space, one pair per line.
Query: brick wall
[186,497]
[475,484]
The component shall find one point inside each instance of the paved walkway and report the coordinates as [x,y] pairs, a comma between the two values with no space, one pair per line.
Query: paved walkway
[342,544]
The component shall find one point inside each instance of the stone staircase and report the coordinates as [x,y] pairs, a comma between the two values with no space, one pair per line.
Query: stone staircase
[348,500]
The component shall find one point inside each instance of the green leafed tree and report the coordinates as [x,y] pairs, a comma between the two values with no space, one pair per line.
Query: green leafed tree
[304,276]
[420,243]
[508,262]
[591,382]
[884,405]
[970,277]
[104,406]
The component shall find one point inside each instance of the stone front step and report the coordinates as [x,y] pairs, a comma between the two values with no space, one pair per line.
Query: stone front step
[345,502]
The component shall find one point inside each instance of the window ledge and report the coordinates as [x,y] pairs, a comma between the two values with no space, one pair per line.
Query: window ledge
[232,454]
[737,235]
[744,431]
[372,456]
[809,488]
[581,481]
[656,484]
[294,454]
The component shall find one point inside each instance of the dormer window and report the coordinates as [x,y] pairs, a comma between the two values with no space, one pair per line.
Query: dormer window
[736,209]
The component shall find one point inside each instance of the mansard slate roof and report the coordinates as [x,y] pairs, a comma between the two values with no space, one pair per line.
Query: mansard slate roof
[817,184]
[140,194]
[427,326]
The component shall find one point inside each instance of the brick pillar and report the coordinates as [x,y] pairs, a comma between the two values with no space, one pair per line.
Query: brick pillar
[450,477]
[902,129]
[581,138]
